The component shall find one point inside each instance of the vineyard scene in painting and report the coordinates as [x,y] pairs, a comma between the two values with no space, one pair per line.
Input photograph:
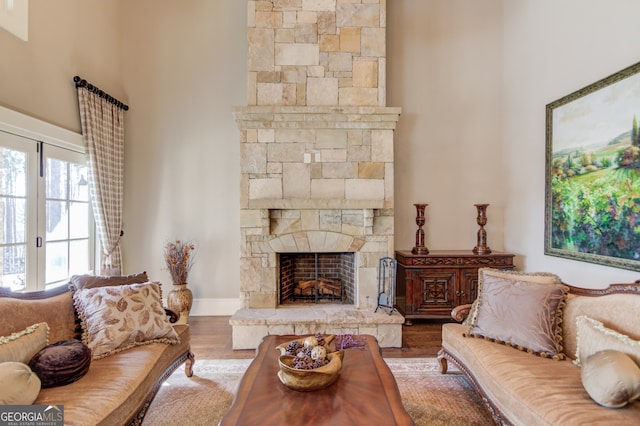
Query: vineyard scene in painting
[595,173]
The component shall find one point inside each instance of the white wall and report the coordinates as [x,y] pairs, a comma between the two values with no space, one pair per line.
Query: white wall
[184,68]
[445,71]
[65,39]
[551,49]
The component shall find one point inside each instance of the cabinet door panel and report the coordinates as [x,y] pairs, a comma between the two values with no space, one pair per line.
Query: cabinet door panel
[468,287]
[434,291]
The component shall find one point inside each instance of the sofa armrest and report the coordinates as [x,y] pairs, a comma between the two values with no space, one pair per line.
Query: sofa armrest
[173,317]
[459,313]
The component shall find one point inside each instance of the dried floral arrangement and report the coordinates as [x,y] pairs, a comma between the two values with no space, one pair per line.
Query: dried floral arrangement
[178,256]
[311,352]
[347,341]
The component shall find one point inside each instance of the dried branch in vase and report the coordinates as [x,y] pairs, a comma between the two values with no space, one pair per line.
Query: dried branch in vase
[178,256]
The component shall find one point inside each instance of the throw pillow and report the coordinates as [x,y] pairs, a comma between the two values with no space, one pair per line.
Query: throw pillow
[118,318]
[61,363]
[521,310]
[79,282]
[611,378]
[534,277]
[22,345]
[20,386]
[594,337]
[472,313]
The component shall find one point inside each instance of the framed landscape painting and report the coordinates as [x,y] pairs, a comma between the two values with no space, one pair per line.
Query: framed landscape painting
[592,200]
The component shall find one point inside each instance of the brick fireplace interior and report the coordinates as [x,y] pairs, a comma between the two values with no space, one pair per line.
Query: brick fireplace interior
[316,146]
[316,278]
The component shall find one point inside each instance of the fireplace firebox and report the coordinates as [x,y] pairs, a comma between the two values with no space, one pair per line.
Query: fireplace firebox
[317,278]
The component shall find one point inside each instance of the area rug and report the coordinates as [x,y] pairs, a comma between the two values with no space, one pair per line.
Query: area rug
[436,399]
[429,397]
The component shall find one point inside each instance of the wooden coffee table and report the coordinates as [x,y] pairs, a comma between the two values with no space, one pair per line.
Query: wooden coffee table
[366,393]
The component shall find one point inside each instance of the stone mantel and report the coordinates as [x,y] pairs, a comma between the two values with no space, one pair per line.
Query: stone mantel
[316,117]
[312,204]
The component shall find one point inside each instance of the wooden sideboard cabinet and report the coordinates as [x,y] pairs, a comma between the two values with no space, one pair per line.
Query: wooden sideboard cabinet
[431,285]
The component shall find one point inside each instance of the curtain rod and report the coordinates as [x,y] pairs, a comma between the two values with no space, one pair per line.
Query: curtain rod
[80,82]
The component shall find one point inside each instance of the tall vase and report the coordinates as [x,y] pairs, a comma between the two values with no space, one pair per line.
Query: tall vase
[481,219]
[179,300]
[420,248]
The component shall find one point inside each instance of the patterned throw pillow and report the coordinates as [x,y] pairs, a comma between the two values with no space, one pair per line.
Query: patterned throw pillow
[121,317]
[521,310]
[22,345]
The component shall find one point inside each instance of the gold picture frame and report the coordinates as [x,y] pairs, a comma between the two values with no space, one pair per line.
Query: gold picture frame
[592,200]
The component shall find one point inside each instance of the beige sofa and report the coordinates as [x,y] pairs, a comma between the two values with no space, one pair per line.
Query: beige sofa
[116,389]
[521,388]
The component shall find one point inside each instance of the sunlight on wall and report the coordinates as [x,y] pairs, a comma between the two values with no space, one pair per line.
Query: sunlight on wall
[14,17]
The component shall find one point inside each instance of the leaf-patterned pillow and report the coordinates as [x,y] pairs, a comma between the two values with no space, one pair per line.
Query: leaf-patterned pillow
[121,317]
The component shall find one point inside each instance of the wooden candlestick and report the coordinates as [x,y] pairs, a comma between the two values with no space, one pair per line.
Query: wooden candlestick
[481,247]
[420,248]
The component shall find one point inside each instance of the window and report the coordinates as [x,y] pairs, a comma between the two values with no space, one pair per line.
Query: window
[46,226]
[67,240]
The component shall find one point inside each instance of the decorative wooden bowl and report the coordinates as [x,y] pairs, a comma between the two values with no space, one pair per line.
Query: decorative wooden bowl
[328,345]
[310,380]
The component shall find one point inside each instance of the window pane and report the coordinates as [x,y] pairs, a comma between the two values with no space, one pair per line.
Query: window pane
[12,270]
[13,172]
[68,218]
[56,179]
[79,224]
[57,262]
[79,257]
[57,220]
[79,190]
[13,220]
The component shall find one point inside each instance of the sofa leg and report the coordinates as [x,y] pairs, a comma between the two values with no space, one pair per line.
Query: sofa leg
[188,364]
[443,362]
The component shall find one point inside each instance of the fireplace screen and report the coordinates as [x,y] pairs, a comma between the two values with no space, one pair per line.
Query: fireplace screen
[317,277]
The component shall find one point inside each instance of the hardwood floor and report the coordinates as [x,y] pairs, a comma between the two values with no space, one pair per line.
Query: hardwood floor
[211,339]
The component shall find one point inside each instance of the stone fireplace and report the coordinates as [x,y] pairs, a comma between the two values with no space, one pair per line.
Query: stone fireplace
[316,164]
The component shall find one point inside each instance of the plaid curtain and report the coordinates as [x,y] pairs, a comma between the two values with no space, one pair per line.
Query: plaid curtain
[103,133]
